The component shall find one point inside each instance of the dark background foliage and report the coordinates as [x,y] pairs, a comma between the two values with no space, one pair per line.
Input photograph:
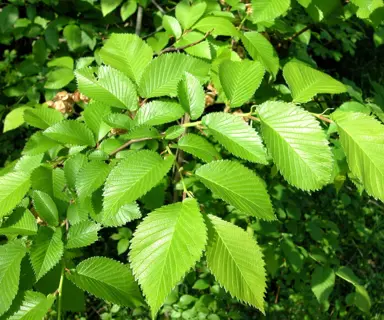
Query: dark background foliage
[342,227]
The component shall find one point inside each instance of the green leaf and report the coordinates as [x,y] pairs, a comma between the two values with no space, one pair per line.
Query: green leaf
[71,132]
[306,82]
[122,246]
[119,120]
[240,80]
[305,163]
[59,78]
[125,214]
[161,76]
[82,234]
[42,118]
[35,305]
[260,49]
[132,178]
[237,185]
[127,53]
[171,25]
[62,62]
[46,250]
[13,187]
[112,87]
[199,50]
[165,246]
[268,10]
[14,119]
[322,283]
[188,14]
[362,300]
[198,147]
[235,260]
[236,136]
[362,139]
[107,6]
[93,115]
[72,33]
[8,16]
[107,279]
[91,177]
[37,144]
[20,222]
[174,132]
[142,132]
[191,95]
[128,9]
[72,167]
[218,25]
[11,255]
[321,9]
[347,274]
[27,164]
[157,112]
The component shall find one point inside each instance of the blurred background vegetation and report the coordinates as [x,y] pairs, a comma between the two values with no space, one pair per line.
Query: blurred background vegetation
[43,41]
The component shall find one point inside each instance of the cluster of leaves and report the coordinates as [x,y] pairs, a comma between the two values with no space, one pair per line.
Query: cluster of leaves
[133,148]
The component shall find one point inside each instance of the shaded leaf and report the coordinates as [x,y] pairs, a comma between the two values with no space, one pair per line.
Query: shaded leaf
[107,279]
[191,95]
[199,147]
[45,207]
[46,250]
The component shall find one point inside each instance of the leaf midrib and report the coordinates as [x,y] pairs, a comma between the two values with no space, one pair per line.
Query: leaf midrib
[318,179]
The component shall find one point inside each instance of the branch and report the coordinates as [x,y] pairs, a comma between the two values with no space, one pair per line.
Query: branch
[172,49]
[295,35]
[139,20]
[321,117]
[158,7]
[128,143]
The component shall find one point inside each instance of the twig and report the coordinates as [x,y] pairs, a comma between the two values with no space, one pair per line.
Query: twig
[158,7]
[60,292]
[179,162]
[139,20]
[128,143]
[321,117]
[277,295]
[172,49]
[152,33]
[298,33]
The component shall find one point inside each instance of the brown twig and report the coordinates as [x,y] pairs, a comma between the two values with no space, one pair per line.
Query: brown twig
[277,295]
[127,144]
[321,117]
[179,164]
[298,33]
[173,49]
